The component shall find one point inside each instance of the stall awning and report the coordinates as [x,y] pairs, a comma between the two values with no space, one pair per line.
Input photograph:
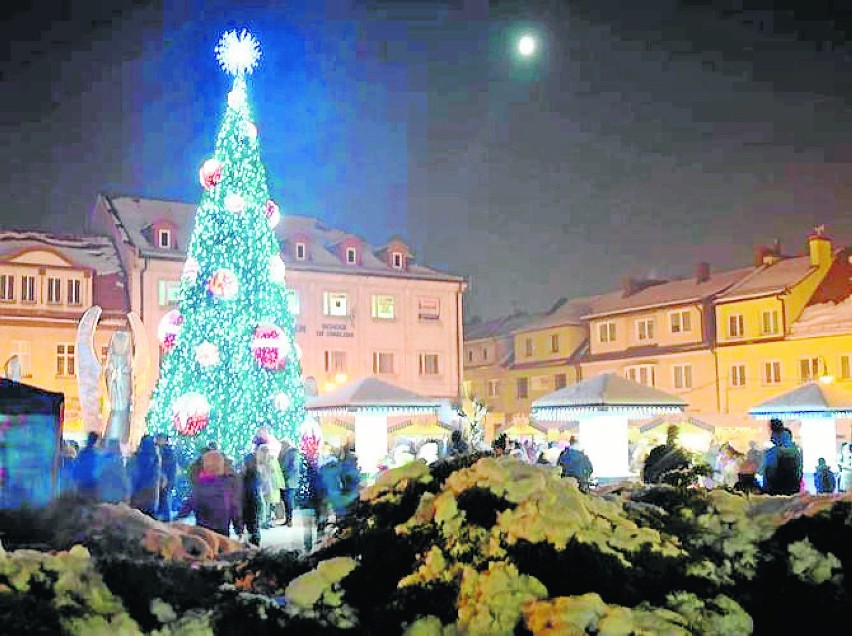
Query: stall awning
[813,399]
[371,395]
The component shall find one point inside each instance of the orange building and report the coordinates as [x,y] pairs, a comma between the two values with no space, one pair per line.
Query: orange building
[47,281]
[360,310]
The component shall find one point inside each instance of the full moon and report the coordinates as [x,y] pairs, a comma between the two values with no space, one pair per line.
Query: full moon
[526,45]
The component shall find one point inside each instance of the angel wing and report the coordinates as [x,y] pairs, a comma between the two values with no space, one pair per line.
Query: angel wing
[141,368]
[89,370]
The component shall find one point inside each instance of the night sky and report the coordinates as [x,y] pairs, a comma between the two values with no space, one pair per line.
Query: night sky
[643,138]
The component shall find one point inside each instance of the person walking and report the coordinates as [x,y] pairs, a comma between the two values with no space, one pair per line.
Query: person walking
[169,464]
[782,465]
[214,499]
[824,480]
[291,469]
[145,476]
[576,464]
[271,484]
[86,469]
[844,467]
[252,500]
[114,482]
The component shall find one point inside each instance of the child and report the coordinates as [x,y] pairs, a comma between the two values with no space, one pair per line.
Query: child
[824,479]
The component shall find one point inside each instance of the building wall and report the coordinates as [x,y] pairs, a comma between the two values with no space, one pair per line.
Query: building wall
[627,330]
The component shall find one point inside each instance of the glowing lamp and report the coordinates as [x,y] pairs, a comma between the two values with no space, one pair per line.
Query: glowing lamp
[526,45]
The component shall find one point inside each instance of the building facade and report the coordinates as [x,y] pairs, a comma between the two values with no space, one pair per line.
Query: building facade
[360,310]
[47,281]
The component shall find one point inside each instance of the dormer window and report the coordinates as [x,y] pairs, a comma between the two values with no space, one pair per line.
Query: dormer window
[164,238]
[397,260]
[301,251]
[351,255]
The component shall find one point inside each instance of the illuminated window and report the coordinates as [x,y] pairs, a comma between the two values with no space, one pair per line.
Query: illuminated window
[769,322]
[645,329]
[560,381]
[429,364]
[335,304]
[54,291]
[528,347]
[293,303]
[772,372]
[21,349]
[351,255]
[65,360]
[641,373]
[682,376]
[397,260]
[7,287]
[845,370]
[301,251]
[808,369]
[738,375]
[681,321]
[382,362]
[335,362]
[383,307]
[28,289]
[74,295]
[429,309]
[606,332]
[168,292]
[493,388]
[735,326]
[164,238]
[522,387]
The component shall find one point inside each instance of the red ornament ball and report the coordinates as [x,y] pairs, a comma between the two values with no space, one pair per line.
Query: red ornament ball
[270,346]
[190,414]
[273,214]
[169,328]
[210,174]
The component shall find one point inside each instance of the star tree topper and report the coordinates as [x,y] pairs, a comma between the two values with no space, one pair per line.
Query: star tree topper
[238,53]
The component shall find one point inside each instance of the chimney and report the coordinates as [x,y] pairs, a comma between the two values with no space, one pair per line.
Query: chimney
[702,273]
[764,255]
[628,286]
[819,247]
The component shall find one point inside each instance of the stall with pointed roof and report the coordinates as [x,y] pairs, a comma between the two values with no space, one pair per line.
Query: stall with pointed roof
[816,406]
[603,406]
[372,403]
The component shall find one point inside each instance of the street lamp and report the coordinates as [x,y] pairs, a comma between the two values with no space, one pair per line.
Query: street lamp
[527,45]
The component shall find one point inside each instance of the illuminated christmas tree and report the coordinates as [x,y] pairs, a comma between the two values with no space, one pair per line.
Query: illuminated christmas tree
[231,363]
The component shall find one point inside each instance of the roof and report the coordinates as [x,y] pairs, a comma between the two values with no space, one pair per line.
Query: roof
[371,393]
[607,390]
[497,327]
[136,214]
[580,352]
[825,318]
[674,292]
[569,313]
[769,279]
[813,398]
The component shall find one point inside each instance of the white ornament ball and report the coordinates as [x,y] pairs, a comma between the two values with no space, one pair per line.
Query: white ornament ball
[270,346]
[250,130]
[169,328]
[273,214]
[190,271]
[224,284]
[190,413]
[234,203]
[237,98]
[207,354]
[282,402]
[277,269]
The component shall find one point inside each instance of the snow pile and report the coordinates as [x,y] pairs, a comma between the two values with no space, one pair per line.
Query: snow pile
[825,318]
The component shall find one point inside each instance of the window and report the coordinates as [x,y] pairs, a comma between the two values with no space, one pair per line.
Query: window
[293,302]
[493,388]
[168,292]
[560,381]
[351,255]
[397,260]
[7,287]
[641,373]
[335,361]
[485,354]
[429,309]
[523,387]
[382,362]
[769,322]
[54,291]
[554,343]
[645,329]
[28,289]
[528,347]
[738,375]
[808,369]
[334,304]
[735,326]
[681,321]
[682,376]
[301,251]
[74,296]
[772,372]
[164,238]
[383,307]
[845,370]
[470,355]
[606,332]
[429,364]
[21,349]
[65,360]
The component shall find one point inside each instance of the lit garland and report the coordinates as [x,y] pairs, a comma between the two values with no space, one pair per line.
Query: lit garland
[571,413]
[787,416]
[400,409]
[211,388]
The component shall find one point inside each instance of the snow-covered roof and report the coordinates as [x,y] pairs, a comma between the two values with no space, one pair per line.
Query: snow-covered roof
[136,214]
[769,279]
[825,318]
[813,398]
[371,394]
[92,252]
